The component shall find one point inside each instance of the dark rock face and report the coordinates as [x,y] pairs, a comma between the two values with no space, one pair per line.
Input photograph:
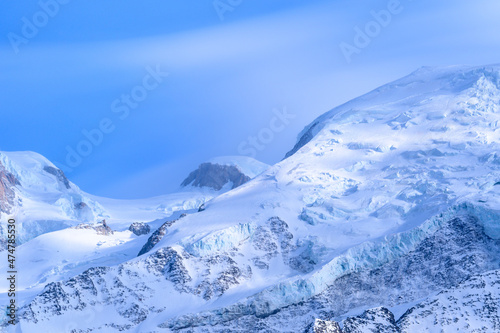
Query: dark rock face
[81,205]
[215,176]
[101,228]
[170,264]
[7,194]
[228,274]
[59,297]
[221,272]
[140,228]
[272,239]
[324,326]
[91,289]
[157,236]
[83,211]
[59,175]
[304,139]
[378,320]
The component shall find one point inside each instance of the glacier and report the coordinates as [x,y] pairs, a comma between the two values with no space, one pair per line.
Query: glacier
[340,226]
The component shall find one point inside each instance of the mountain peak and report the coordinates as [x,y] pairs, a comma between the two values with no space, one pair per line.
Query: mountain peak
[440,88]
[225,171]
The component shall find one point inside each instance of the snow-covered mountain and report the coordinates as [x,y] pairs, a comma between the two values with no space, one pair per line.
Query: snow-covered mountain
[40,196]
[83,231]
[384,217]
[43,200]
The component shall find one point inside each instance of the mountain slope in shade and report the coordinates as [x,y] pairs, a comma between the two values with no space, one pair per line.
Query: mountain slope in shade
[391,199]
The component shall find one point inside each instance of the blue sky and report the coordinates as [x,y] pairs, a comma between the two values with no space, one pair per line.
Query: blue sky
[226,78]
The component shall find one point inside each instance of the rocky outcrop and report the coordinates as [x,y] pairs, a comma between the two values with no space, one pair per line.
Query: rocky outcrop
[325,326]
[140,228]
[304,139]
[131,288]
[61,177]
[438,262]
[378,320]
[272,239]
[455,251]
[83,212]
[157,236]
[472,305]
[215,176]
[7,194]
[101,228]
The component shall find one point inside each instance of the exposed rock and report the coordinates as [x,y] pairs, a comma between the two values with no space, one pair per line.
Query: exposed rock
[443,259]
[157,236]
[81,205]
[59,297]
[170,264]
[378,320]
[101,228]
[471,306]
[125,290]
[272,240]
[140,228]
[83,212]
[325,326]
[59,175]
[7,195]
[304,139]
[215,176]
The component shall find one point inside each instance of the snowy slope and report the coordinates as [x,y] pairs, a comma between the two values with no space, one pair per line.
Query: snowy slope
[47,207]
[44,198]
[56,255]
[369,185]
